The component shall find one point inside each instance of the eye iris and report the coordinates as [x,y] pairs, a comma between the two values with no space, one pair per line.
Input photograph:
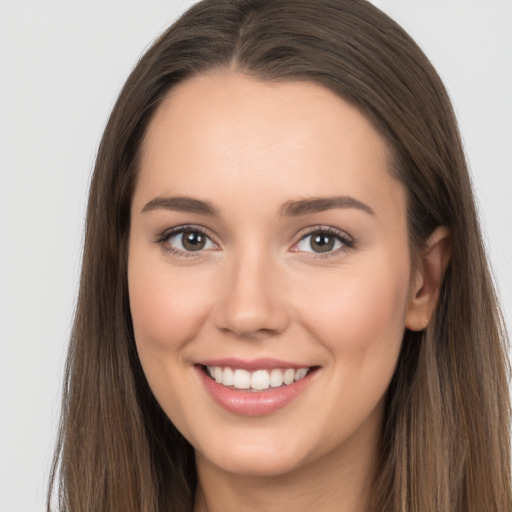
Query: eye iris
[193,241]
[322,242]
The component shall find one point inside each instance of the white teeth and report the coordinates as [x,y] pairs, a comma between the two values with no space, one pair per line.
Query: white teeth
[289,376]
[300,374]
[242,379]
[258,380]
[228,377]
[217,374]
[276,378]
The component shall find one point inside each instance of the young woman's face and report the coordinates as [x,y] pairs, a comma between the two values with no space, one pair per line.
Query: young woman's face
[268,243]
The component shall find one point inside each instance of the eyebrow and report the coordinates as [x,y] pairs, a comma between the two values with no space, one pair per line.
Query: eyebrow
[181,204]
[320,204]
[289,209]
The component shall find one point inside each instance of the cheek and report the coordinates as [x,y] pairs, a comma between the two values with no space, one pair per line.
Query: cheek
[359,319]
[360,315]
[167,307]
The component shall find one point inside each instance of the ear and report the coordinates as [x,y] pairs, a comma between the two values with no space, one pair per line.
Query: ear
[427,279]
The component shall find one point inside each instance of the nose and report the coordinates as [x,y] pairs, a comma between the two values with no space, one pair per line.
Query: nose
[251,303]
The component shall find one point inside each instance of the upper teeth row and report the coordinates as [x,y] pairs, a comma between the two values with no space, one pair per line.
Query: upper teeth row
[259,379]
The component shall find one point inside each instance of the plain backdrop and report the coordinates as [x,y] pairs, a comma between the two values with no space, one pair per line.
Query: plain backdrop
[61,67]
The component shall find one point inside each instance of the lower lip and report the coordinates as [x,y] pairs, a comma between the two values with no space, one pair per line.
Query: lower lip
[253,403]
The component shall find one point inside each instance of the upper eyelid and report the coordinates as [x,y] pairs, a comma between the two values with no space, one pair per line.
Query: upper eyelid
[167,233]
[324,229]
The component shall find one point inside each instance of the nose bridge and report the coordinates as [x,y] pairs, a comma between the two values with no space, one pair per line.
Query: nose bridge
[250,303]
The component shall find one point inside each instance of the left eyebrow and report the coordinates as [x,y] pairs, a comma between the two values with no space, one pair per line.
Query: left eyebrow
[320,204]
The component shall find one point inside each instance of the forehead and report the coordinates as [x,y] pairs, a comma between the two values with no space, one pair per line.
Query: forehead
[236,135]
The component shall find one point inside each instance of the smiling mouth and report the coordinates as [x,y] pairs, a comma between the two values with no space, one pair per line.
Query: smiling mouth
[258,380]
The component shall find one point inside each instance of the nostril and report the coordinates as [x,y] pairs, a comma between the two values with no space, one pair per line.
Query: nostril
[251,334]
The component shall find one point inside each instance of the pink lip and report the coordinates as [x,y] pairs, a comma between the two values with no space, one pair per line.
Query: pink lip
[253,364]
[247,403]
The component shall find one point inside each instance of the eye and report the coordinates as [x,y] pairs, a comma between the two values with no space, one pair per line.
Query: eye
[322,241]
[186,240]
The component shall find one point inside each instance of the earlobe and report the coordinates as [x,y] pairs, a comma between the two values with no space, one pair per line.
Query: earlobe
[428,278]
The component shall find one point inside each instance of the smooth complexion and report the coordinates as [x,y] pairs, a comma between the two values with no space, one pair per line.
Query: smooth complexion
[272,272]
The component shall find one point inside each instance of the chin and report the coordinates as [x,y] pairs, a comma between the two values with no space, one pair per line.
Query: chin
[257,459]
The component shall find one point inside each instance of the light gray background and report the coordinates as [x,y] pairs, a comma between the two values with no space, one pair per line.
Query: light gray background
[61,67]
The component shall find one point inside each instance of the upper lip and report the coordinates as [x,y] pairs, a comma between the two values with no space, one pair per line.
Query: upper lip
[253,364]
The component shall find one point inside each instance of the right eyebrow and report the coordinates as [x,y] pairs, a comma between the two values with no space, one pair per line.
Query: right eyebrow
[181,204]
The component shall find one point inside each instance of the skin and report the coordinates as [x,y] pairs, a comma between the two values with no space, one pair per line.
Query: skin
[258,289]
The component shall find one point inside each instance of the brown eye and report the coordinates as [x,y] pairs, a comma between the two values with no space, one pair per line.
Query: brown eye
[193,240]
[189,240]
[322,242]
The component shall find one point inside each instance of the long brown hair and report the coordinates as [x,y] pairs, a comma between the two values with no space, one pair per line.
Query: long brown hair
[445,440]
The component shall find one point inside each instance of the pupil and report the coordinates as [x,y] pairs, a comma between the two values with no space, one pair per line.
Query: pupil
[193,241]
[322,242]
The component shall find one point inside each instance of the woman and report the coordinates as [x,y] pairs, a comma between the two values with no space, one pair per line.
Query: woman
[284,302]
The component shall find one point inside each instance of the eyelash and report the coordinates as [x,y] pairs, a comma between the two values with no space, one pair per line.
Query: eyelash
[347,242]
[163,240]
